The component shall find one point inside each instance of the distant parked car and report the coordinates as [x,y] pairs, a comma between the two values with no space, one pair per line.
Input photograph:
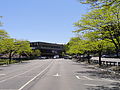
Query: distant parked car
[110,56]
[106,56]
[67,57]
[56,56]
[42,57]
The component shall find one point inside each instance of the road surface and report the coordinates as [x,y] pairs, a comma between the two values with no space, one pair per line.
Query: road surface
[55,74]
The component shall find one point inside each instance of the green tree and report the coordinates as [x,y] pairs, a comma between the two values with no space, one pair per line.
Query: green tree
[9,47]
[105,22]
[73,46]
[35,53]
[13,46]
[101,3]
[2,47]
[3,34]
[22,48]
[96,43]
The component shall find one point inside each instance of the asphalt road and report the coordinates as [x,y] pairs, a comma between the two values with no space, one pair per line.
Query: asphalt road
[55,74]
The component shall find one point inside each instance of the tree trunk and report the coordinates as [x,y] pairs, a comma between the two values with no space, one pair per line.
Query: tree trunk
[20,58]
[117,53]
[88,57]
[100,52]
[10,57]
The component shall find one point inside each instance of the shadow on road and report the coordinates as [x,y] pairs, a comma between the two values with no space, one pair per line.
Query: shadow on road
[24,62]
[101,74]
[112,86]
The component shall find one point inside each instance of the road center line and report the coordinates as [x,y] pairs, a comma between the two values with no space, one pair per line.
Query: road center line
[35,77]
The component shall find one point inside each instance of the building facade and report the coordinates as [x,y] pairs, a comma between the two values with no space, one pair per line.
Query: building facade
[48,49]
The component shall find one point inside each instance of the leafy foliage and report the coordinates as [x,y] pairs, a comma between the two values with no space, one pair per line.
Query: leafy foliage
[104,23]
[100,28]
[3,34]
[35,53]
[101,3]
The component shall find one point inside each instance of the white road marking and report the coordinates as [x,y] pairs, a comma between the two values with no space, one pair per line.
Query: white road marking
[19,74]
[77,77]
[57,75]
[35,77]
[90,85]
[2,74]
[87,78]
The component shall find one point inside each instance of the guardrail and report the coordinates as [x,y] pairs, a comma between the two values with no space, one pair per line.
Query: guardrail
[107,61]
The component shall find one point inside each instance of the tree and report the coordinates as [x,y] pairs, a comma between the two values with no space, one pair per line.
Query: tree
[79,46]
[73,46]
[105,22]
[3,34]
[9,47]
[96,43]
[35,53]
[2,47]
[101,3]
[22,48]
[13,46]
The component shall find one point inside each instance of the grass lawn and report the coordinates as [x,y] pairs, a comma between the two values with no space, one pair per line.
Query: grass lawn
[6,61]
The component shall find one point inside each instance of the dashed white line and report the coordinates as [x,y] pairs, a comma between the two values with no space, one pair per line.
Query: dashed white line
[87,78]
[90,85]
[77,77]
[2,74]
[57,75]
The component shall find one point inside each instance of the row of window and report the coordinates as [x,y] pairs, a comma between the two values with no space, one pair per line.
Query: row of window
[45,46]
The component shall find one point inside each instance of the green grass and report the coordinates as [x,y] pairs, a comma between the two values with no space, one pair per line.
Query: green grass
[3,61]
[6,61]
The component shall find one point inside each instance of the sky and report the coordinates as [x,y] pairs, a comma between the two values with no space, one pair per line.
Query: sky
[41,20]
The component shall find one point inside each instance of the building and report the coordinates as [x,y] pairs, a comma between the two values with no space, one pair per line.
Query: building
[48,49]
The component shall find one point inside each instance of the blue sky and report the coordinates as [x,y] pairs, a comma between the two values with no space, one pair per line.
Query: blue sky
[41,20]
